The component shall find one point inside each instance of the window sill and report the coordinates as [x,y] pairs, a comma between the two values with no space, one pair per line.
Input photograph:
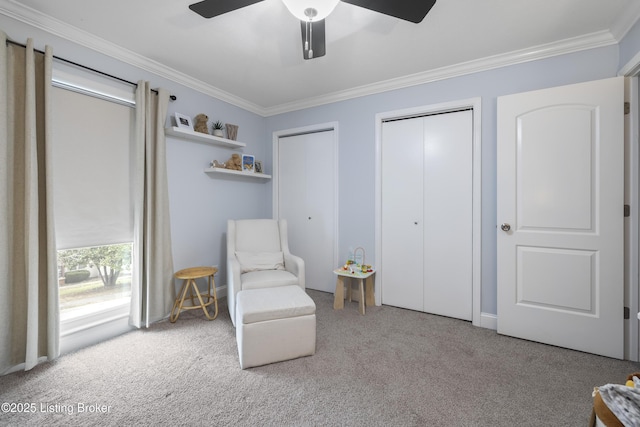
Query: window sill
[92,310]
[88,325]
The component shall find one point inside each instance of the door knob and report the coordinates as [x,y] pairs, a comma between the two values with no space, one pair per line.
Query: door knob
[505,227]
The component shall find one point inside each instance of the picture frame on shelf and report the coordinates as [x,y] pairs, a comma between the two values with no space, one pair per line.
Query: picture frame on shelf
[184,122]
[258,166]
[248,163]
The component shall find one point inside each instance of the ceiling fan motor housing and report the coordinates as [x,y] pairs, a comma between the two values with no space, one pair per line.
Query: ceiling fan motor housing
[322,8]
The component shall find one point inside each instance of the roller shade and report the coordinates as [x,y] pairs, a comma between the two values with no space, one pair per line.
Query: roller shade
[92,158]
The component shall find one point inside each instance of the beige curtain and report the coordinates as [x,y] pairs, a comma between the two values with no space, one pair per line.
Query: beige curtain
[29,313]
[152,289]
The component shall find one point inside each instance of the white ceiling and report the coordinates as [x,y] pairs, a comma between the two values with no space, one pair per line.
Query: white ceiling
[252,57]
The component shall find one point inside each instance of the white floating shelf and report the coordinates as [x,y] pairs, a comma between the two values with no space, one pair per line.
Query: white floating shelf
[253,175]
[202,137]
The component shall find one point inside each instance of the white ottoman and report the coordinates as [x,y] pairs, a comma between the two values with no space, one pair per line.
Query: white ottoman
[274,324]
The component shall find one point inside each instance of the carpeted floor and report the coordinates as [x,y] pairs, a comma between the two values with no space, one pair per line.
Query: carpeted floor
[392,367]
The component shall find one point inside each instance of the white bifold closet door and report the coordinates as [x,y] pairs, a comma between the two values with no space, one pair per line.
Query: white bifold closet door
[427,177]
[306,199]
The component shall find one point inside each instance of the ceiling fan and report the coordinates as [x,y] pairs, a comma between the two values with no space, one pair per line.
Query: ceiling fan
[313,12]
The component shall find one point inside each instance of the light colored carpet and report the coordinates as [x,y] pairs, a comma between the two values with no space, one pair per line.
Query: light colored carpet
[391,367]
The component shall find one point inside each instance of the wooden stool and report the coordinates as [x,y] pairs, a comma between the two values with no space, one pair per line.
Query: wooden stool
[189,275]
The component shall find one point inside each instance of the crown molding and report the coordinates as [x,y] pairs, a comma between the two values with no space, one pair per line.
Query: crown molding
[631,68]
[80,37]
[626,21]
[590,41]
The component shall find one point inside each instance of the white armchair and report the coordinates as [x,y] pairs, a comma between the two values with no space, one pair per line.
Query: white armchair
[258,257]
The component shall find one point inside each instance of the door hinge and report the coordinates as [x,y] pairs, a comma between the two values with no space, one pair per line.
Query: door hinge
[627,211]
[627,313]
[627,108]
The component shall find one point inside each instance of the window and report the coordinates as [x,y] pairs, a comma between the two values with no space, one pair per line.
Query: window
[95,275]
[92,174]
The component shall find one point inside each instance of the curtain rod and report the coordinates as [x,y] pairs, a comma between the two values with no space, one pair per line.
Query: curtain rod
[171,97]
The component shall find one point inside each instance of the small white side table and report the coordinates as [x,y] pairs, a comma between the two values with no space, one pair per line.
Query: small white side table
[365,283]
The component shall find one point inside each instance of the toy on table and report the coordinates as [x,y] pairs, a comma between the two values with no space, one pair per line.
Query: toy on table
[353,268]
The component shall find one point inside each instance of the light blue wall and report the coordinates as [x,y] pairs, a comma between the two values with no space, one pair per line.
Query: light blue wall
[357,139]
[201,203]
[630,45]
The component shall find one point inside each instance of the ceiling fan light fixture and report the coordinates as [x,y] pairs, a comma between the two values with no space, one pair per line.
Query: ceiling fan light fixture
[299,8]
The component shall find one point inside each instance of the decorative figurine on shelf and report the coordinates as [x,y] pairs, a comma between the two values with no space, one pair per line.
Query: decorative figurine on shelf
[201,123]
[234,163]
[217,128]
[217,164]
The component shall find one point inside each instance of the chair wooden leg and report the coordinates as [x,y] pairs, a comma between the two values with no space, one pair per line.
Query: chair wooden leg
[212,286]
[202,303]
[191,283]
[179,302]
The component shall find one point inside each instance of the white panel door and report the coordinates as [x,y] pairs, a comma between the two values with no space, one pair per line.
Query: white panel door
[448,214]
[402,216]
[306,197]
[560,216]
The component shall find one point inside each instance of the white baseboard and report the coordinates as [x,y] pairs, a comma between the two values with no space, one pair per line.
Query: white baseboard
[489,321]
[221,291]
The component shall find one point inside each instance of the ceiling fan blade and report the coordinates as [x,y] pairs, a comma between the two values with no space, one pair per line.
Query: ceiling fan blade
[316,36]
[408,10]
[211,8]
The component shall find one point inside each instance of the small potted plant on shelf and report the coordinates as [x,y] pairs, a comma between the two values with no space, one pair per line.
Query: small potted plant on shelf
[217,128]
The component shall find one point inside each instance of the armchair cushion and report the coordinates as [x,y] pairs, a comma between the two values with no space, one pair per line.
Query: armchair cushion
[260,235]
[256,261]
[267,279]
[262,305]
